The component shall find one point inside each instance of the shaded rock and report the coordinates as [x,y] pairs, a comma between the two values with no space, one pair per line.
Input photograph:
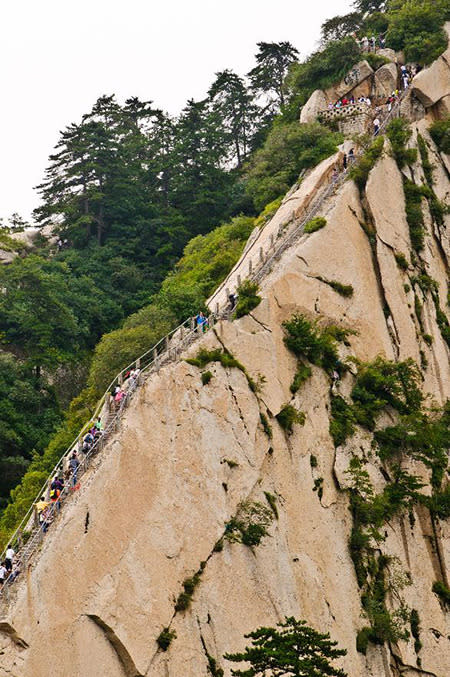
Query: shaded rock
[388,53]
[433,83]
[316,103]
[385,80]
[355,76]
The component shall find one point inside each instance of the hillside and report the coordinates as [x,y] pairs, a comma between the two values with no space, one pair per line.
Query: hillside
[294,462]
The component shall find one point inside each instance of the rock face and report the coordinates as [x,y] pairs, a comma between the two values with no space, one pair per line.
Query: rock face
[352,82]
[385,80]
[154,508]
[316,103]
[432,84]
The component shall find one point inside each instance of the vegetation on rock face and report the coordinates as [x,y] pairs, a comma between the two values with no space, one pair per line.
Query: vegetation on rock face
[316,223]
[416,28]
[165,638]
[288,416]
[292,648]
[440,133]
[248,298]
[399,132]
[307,340]
[250,524]
[360,171]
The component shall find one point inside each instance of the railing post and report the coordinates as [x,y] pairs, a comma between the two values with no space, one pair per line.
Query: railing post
[272,240]
[181,332]
[192,323]
[166,343]
[239,280]
[138,363]
[120,379]
[261,255]
[250,267]
[217,308]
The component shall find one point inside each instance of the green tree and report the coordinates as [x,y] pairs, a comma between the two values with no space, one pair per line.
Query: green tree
[341,26]
[272,62]
[233,102]
[417,28]
[294,649]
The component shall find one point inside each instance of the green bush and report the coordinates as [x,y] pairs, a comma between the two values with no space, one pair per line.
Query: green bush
[165,638]
[313,461]
[345,290]
[307,340]
[440,133]
[266,425]
[360,171]
[248,298]
[206,377]
[250,524]
[316,223]
[399,132]
[416,28]
[362,639]
[288,416]
[401,260]
[301,375]
[442,592]
[268,212]
[184,599]
[272,501]
[342,421]
[288,149]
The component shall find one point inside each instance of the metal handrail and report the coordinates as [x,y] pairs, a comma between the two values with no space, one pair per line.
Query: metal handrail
[154,357]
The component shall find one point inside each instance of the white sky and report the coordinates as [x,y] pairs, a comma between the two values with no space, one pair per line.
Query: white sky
[57,57]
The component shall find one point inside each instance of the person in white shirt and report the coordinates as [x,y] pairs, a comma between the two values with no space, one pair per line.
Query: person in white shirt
[9,558]
[3,574]
[376,126]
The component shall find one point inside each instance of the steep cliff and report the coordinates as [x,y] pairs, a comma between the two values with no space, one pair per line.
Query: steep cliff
[154,509]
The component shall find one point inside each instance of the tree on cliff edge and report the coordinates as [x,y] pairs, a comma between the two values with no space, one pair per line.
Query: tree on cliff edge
[295,650]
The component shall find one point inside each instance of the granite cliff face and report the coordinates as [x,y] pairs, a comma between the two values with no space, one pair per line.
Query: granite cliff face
[152,510]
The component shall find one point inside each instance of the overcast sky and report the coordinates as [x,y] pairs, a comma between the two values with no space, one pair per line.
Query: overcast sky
[59,56]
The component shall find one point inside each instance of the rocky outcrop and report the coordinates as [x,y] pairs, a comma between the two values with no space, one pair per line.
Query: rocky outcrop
[316,102]
[385,80]
[432,84]
[353,82]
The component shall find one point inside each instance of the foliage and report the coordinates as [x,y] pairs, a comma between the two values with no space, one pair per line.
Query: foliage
[288,416]
[381,383]
[401,260]
[165,638]
[399,132]
[206,377]
[266,425]
[29,413]
[342,420]
[376,60]
[307,340]
[345,290]
[184,599]
[248,298]
[272,501]
[441,590]
[250,524]
[324,67]
[313,461]
[288,149]
[440,133]
[268,212]
[301,375]
[415,629]
[340,26]
[316,223]
[360,170]
[292,648]
[416,28]
[272,63]
[414,215]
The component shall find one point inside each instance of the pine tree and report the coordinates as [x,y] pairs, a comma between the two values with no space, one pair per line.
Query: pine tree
[273,61]
[295,650]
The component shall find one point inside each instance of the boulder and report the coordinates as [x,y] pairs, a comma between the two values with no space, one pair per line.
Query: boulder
[442,108]
[316,102]
[433,83]
[355,76]
[385,80]
[388,54]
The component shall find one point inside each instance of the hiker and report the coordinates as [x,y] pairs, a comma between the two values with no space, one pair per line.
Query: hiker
[9,556]
[73,465]
[232,299]
[3,574]
[41,507]
[201,322]
[118,397]
[88,441]
[372,42]
[351,156]
[56,488]
[98,424]
[376,126]
[344,162]
[334,175]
